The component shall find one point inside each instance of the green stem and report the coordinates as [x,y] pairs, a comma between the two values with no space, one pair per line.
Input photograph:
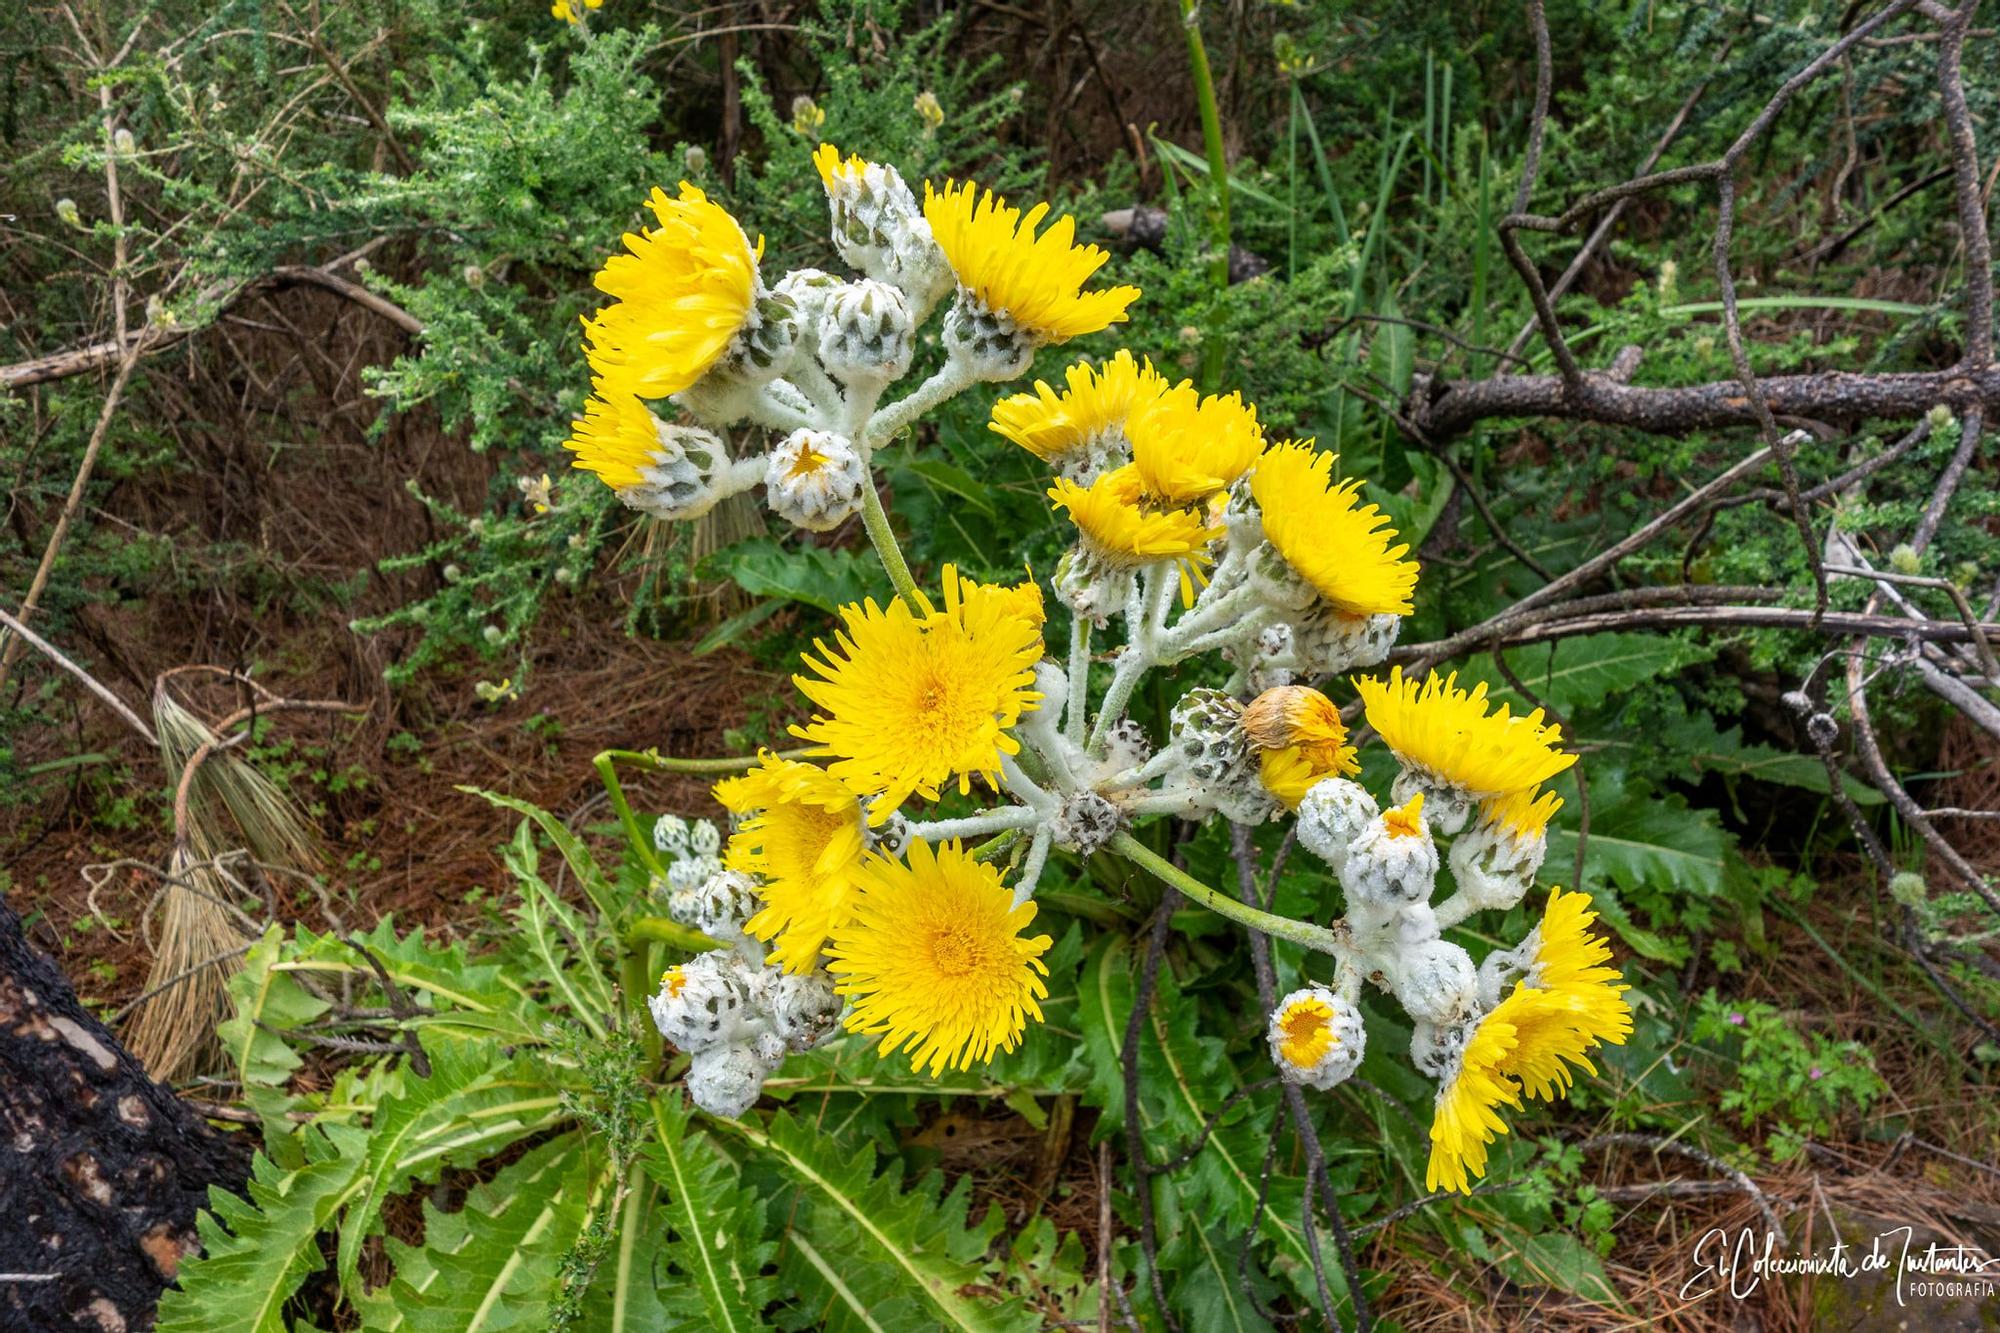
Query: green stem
[665,930]
[1218,181]
[607,772]
[1317,938]
[877,522]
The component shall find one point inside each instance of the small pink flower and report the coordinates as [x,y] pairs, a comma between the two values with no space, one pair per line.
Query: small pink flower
[1737,1019]
[1815,1073]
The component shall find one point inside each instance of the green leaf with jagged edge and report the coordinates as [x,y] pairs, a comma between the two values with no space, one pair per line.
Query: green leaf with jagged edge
[452,994]
[709,1230]
[887,1258]
[1643,849]
[494,1264]
[473,1105]
[633,1290]
[256,1251]
[1710,749]
[268,1002]
[819,576]
[612,905]
[548,926]
[1569,674]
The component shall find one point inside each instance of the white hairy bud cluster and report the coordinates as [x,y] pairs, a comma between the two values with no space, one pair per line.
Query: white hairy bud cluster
[1314,1021]
[1332,816]
[678,478]
[879,230]
[738,1019]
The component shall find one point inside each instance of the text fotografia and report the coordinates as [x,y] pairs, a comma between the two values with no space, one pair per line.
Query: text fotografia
[1739,1261]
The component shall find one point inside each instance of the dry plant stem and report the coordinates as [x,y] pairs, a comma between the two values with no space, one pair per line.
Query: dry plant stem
[184,792]
[89,682]
[1736,1179]
[1135,1143]
[1970,200]
[1244,848]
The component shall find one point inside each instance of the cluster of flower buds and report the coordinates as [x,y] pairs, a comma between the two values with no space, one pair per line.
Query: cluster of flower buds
[734,1014]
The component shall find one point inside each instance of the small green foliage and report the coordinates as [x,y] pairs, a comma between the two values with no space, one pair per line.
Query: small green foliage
[1799,1085]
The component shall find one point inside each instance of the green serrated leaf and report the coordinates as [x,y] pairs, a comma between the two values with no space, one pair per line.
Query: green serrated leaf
[1580,673]
[711,1228]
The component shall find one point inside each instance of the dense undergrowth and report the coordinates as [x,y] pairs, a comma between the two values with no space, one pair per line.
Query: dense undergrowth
[350,509]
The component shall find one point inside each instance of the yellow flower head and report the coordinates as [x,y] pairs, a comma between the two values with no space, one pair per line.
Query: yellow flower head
[1188,448]
[934,959]
[1301,716]
[1037,281]
[680,294]
[1571,962]
[1532,1041]
[1307,1023]
[674,980]
[1464,1120]
[616,437]
[1449,734]
[1339,546]
[1053,426]
[1124,533]
[911,697]
[1525,813]
[571,11]
[802,837]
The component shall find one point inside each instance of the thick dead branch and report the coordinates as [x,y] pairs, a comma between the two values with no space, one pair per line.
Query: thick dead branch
[1444,408]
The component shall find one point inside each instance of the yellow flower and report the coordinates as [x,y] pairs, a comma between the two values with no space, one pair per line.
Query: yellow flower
[1464,1120]
[834,170]
[1569,1003]
[1121,531]
[1525,813]
[681,294]
[616,437]
[1301,739]
[1571,962]
[1337,545]
[1188,448]
[929,111]
[934,959]
[1307,1022]
[1447,733]
[802,837]
[1053,426]
[567,10]
[914,696]
[1406,820]
[674,980]
[1037,281]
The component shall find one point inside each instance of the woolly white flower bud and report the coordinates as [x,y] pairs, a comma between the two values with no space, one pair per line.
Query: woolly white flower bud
[1126,746]
[1277,583]
[1392,863]
[1436,982]
[768,343]
[879,230]
[672,834]
[690,873]
[704,838]
[1327,641]
[1316,1038]
[1494,866]
[988,343]
[814,480]
[725,900]
[1091,588]
[1273,644]
[1332,816]
[1435,1048]
[804,1009]
[1499,970]
[725,1080]
[678,479]
[702,1003]
[1085,822]
[865,333]
[1446,807]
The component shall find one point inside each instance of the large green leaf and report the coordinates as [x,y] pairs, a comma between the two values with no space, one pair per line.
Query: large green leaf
[1581,673]
[815,575]
[492,1265]
[907,1259]
[710,1228]
[255,1251]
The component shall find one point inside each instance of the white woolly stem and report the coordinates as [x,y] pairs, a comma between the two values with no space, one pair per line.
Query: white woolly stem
[977,826]
[1175,800]
[828,402]
[1454,910]
[1079,677]
[739,476]
[1026,787]
[1144,773]
[1247,628]
[952,378]
[1031,869]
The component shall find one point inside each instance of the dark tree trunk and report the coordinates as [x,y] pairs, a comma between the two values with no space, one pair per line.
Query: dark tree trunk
[102,1170]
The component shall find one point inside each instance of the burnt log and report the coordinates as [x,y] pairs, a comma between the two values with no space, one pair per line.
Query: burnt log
[102,1170]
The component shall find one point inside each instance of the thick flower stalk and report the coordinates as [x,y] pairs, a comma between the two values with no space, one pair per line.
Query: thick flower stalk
[843,889]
